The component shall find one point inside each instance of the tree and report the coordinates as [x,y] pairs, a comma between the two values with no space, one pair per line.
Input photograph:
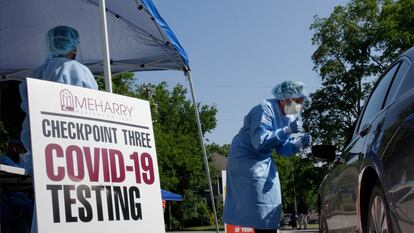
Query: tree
[355,44]
[121,84]
[299,177]
[180,162]
[223,150]
[396,28]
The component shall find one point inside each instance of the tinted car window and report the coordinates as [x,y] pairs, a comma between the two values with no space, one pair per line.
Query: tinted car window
[398,79]
[376,100]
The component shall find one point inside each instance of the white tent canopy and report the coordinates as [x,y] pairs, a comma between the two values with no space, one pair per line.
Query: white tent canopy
[139,39]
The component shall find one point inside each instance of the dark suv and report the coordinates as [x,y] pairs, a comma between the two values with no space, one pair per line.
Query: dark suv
[370,186]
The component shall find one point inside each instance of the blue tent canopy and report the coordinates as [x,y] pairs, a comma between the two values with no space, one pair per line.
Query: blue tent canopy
[139,39]
[170,196]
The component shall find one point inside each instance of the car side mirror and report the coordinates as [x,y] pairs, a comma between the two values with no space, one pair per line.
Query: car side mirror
[365,130]
[325,152]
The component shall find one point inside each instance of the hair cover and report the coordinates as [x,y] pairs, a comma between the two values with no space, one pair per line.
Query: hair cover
[289,89]
[61,40]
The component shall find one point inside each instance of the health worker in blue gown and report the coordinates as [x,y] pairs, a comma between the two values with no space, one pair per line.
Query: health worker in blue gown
[60,66]
[253,197]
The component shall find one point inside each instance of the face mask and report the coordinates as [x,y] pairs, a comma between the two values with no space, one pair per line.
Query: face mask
[292,108]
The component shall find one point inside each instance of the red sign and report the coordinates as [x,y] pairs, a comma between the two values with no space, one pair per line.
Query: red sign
[164,202]
[237,229]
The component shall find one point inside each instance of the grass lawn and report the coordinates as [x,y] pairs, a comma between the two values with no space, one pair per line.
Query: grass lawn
[313,226]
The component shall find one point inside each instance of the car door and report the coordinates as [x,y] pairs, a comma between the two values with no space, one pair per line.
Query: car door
[352,157]
[397,149]
[329,198]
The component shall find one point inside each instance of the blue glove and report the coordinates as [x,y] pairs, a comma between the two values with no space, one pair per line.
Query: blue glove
[294,126]
[303,142]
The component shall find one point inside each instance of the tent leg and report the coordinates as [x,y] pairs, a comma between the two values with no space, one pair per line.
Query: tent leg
[105,47]
[200,132]
[169,216]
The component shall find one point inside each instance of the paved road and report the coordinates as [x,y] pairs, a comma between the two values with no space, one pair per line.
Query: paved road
[282,231]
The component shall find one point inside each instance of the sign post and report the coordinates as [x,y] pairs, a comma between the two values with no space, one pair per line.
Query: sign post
[94,161]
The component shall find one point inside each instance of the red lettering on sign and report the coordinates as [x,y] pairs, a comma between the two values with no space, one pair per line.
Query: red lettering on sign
[50,150]
[73,161]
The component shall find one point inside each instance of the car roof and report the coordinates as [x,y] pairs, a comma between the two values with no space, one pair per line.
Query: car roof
[409,53]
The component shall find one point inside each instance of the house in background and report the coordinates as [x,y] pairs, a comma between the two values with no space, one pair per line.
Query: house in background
[219,163]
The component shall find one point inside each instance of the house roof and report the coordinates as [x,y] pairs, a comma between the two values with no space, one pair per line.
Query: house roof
[218,161]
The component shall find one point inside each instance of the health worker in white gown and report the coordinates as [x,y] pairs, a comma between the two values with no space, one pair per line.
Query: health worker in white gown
[60,66]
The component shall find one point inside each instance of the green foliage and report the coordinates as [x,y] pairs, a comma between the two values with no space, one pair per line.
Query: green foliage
[195,210]
[355,44]
[180,162]
[175,224]
[219,209]
[179,153]
[215,148]
[299,178]
[121,84]
[396,28]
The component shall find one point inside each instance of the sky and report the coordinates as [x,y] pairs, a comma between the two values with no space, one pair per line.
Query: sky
[239,49]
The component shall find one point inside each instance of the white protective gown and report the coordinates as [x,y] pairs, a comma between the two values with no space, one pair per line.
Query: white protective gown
[56,69]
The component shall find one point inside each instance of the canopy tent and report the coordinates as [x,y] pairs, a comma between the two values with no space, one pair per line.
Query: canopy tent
[139,39]
[170,196]
[130,36]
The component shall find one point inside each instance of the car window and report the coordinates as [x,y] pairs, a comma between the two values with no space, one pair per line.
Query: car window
[398,79]
[374,104]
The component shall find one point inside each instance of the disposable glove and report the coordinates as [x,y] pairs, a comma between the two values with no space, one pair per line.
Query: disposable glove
[303,142]
[294,126]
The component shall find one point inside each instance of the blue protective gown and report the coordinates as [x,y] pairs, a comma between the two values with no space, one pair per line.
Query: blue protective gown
[55,69]
[253,197]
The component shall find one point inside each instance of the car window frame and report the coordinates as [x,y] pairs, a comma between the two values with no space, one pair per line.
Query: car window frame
[395,97]
[358,125]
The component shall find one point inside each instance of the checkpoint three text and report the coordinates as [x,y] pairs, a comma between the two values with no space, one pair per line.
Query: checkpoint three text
[86,132]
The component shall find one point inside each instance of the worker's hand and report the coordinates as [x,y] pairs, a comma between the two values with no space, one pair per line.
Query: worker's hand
[295,126]
[304,142]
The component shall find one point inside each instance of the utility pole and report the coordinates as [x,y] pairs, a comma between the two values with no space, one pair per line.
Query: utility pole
[293,183]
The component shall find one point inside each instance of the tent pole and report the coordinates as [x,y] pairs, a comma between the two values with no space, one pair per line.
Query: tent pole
[169,215]
[105,47]
[200,132]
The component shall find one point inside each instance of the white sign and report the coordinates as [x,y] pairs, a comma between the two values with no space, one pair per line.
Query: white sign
[94,161]
[223,184]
